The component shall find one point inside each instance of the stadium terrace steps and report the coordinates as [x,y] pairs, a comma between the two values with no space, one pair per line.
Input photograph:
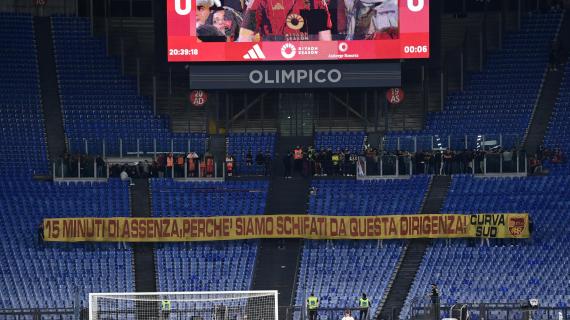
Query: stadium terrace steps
[549,94]
[543,110]
[49,91]
[413,255]
[277,260]
[145,270]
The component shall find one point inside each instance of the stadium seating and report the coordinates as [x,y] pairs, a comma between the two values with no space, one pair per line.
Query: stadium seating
[99,103]
[53,275]
[339,272]
[507,271]
[207,266]
[174,198]
[374,197]
[239,144]
[341,140]
[498,101]
[558,132]
[22,140]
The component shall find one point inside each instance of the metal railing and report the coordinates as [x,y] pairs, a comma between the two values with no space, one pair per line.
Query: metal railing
[133,147]
[492,311]
[391,165]
[415,143]
[301,313]
[38,314]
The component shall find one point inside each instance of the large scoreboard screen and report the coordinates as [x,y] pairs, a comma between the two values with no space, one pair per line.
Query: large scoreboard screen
[285,30]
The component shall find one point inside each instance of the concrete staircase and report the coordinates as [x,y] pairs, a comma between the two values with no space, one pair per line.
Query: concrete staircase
[413,254]
[51,105]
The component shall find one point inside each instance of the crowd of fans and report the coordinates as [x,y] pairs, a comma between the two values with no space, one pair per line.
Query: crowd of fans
[164,165]
[308,161]
[544,155]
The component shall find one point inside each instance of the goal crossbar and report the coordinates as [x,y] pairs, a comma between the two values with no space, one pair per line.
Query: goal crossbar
[251,305]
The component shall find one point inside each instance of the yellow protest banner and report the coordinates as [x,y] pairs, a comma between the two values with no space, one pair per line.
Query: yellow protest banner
[508,225]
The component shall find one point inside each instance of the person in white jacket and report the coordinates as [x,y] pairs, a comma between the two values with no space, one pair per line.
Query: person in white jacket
[347,315]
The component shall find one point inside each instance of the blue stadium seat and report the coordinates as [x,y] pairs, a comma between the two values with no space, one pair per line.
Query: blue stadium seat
[558,132]
[207,266]
[496,102]
[239,144]
[341,140]
[23,148]
[339,272]
[53,275]
[100,104]
[507,271]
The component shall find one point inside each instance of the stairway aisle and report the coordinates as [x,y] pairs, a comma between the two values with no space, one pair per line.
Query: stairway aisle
[549,93]
[51,105]
[277,259]
[144,262]
[413,254]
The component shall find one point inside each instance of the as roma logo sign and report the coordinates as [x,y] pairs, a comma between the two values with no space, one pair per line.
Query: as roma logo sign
[516,226]
[198,98]
[395,95]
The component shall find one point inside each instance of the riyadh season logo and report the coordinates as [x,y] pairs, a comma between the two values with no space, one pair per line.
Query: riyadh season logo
[288,51]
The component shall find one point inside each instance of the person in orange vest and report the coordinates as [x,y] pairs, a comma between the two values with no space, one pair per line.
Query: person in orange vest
[229,165]
[169,165]
[180,165]
[209,165]
[192,164]
[298,159]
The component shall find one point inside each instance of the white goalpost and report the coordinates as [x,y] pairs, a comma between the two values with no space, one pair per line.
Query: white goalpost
[208,305]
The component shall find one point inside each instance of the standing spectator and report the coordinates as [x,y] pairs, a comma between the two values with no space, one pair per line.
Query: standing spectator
[364,306]
[259,161]
[267,161]
[434,297]
[298,159]
[230,165]
[154,170]
[100,166]
[124,175]
[41,234]
[248,159]
[467,161]
[160,162]
[447,158]
[347,315]
[169,165]
[192,166]
[180,165]
[508,160]
[210,166]
[312,305]
[335,161]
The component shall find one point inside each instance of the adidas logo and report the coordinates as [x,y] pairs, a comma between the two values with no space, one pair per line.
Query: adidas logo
[254,53]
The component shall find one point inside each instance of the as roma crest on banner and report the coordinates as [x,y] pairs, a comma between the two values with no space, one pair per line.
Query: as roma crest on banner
[395,95]
[198,98]
[516,226]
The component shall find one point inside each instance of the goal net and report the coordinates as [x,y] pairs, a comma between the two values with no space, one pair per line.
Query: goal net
[222,305]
